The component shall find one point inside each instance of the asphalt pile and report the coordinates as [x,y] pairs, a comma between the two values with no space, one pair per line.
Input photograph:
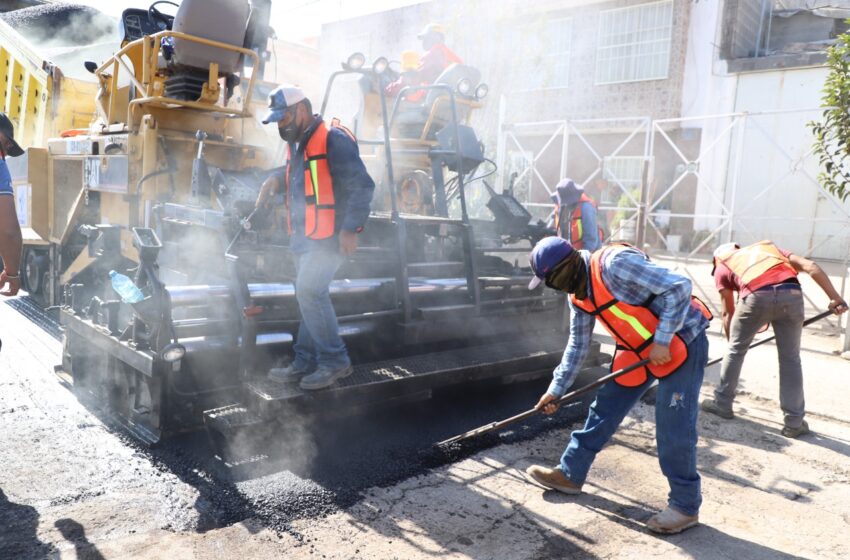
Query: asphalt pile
[348,455]
[61,24]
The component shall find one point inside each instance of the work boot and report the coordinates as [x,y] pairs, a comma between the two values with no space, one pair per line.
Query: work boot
[670,522]
[554,479]
[288,374]
[711,406]
[796,432]
[325,377]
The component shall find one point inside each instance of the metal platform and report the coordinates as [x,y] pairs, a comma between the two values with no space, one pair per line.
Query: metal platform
[391,379]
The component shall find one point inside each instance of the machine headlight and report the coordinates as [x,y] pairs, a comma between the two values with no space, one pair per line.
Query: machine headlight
[481,91]
[380,65]
[464,86]
[173,352]
[356,61]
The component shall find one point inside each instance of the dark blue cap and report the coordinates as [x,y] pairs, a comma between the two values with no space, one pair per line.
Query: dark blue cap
[546,255]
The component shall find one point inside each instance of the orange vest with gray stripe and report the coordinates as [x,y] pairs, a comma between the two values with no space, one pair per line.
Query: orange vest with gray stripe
[320,203]
[758,265]
[631,326]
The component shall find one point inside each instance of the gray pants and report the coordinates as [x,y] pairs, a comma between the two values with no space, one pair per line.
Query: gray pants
[783,308]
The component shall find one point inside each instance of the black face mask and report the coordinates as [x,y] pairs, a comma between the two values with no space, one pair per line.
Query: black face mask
[289,133]
[569,276]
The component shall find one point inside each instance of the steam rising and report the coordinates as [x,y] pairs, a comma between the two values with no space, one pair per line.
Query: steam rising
[67,35]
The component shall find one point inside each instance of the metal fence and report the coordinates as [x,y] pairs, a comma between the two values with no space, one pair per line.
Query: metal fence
[681,187]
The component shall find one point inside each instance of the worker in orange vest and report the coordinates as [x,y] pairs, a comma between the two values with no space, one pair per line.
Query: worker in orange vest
[437,55]
[327,192]
[650,313]
[765,278]
[576,216]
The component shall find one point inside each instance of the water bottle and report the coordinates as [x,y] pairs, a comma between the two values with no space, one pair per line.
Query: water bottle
[124,287]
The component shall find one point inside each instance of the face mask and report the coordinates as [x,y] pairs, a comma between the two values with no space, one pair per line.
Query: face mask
[570,276]
[289,133]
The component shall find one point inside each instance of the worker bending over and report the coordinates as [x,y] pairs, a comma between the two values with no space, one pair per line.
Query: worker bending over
[327,196]
[650,313]
[765,277]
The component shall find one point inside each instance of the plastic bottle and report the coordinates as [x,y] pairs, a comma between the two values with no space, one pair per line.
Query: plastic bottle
[124,287]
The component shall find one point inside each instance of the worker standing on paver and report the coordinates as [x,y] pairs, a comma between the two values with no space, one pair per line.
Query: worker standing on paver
[765,277]
[576,217]
[11,244]
[327,194]
[650,313]
[437,55]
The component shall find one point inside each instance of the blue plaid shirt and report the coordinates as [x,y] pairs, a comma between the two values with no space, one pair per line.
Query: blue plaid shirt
[632,279]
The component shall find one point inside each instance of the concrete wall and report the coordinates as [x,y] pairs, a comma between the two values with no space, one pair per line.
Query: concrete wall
[494,36]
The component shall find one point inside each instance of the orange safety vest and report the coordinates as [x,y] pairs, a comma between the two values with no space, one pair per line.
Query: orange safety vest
[758,265]
[576,228]
[631,326]
[320,202]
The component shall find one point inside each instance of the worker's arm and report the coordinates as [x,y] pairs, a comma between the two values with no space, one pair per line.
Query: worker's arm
[671,289]
[727,304]
[271,186]
[581,330]
[10,244]
[810,267]
[353,187]
[590,228]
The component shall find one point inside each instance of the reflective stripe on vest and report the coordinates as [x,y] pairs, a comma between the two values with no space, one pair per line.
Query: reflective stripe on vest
[752,263]
[576,225]
[319,207]
[631,326]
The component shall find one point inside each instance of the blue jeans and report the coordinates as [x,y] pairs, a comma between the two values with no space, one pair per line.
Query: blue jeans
[318,342]
[676,408]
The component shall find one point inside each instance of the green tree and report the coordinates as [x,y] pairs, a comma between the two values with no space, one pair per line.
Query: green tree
[832,133]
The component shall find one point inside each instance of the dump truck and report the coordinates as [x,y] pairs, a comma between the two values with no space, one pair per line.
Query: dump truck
[161,186]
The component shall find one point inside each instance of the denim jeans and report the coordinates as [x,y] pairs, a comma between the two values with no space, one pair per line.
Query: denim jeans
[676,408]
[783,309]
[318,342]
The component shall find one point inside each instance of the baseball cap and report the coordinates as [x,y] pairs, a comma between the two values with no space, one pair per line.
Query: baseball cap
[8,129]
[280,99]
[567,192]
[431,28]
[545,256]
[722,251]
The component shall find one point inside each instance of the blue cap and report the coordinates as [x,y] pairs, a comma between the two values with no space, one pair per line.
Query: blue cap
[280,99]
[546,255]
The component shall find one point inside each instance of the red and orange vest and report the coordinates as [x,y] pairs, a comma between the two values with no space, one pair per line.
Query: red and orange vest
[320,202]
[576,226]
[631,326]
[758,265]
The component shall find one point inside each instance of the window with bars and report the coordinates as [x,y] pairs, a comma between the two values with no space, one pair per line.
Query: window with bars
[623,174]
[634,43]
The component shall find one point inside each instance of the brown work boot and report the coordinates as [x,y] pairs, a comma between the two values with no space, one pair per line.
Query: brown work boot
[670,522]
[796,432]
[554,479]
[711,406]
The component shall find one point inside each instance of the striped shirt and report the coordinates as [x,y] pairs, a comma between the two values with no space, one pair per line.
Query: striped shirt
[632,279]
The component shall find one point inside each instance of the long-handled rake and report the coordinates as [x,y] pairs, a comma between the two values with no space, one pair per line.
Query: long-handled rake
[494,426]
